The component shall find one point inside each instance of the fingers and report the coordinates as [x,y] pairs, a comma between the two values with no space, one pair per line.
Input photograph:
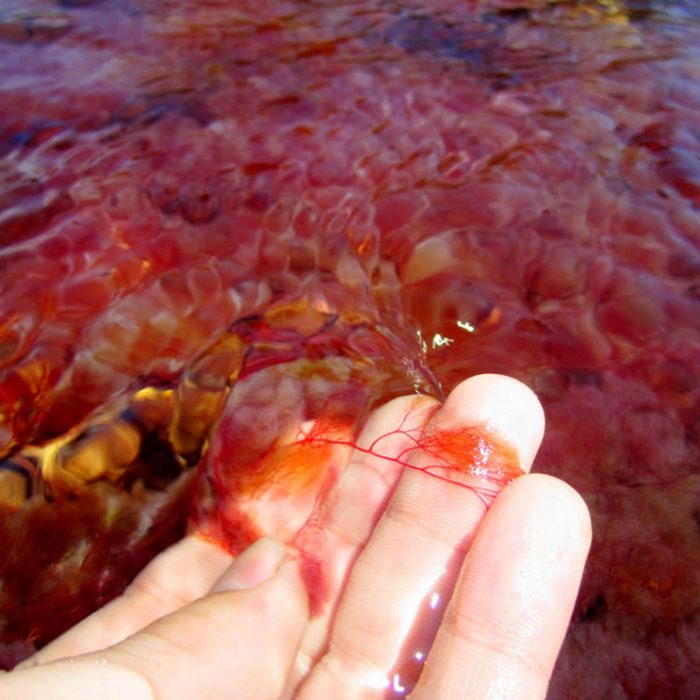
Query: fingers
[417,547]
[512,605]
[237,642]
[414,554]
[181,574]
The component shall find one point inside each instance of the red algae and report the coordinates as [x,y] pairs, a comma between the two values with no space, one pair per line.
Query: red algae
[451,455]
[228,231]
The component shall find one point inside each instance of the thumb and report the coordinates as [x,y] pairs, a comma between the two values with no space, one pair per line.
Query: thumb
[238,641]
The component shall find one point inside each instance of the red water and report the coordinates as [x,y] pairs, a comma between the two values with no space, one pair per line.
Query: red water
[215,202]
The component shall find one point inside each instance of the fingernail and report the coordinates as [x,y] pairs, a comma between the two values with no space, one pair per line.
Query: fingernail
[255,565]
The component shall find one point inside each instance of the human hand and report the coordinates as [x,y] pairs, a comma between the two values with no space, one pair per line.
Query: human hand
[198,624]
